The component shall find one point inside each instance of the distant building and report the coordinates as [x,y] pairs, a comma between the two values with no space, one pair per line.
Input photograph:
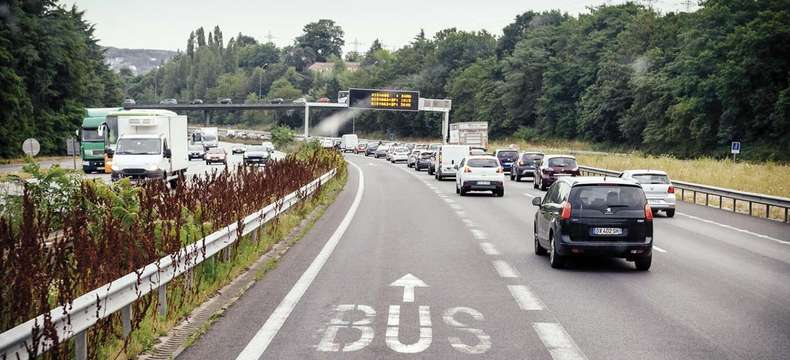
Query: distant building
[329,67]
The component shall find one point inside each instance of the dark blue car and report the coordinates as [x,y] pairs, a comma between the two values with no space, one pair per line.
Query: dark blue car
[525,166]
[507,158]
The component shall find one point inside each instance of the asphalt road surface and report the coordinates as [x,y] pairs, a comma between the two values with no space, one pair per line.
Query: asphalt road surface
[401,267]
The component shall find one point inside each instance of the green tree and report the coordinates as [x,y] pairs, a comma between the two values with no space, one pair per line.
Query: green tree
[323,37]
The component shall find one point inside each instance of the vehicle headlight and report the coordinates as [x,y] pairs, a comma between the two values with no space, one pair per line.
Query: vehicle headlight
[153,167]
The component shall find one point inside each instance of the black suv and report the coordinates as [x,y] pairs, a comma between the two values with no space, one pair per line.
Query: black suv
[525,166]
[594,216]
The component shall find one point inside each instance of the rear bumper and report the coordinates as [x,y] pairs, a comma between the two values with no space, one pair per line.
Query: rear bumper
[92,164]
[661,204]
[474,185]
[255,160]
[524,172]
[619,249]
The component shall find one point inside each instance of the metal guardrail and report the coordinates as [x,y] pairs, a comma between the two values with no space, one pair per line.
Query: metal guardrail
[768,201]
[120,294]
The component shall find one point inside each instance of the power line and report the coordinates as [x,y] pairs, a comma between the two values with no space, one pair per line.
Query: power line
[356,44]
[688,4]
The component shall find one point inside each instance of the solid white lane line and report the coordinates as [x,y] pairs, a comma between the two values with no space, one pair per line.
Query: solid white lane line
[488,248]
[783,242]
[504,269]
[478,234]
[525,299]
[257,346]
[558,342]
[656,248]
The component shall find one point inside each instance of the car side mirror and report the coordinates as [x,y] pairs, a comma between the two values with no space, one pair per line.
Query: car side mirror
[536,201]
[168,153]
[455,167]
[109,151]
[452,161]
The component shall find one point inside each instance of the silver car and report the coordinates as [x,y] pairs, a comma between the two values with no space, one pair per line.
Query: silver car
[415,154]
[658,189]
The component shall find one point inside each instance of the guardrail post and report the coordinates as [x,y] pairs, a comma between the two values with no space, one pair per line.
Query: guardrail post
[81,345]
[706,199]
[750,207]
[126,320]
[767,211]
[785,214]
[720,201]
[162,305]
[682,194]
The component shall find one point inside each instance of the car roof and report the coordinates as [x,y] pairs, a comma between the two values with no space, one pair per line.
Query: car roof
[594,180]
[498,150]
[531,153]
[470,157]
[558,155]
[654,172]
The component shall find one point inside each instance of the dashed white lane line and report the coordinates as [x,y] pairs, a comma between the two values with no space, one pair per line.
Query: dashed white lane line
[257,346]
[460,213]
[656,248]
[489,248]
[558,342]
[469,223]
[529,195]
[525,299]
[729,227]
[504,269]
[479,234]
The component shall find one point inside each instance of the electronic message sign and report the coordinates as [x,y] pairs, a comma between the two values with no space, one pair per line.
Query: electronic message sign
[384,99]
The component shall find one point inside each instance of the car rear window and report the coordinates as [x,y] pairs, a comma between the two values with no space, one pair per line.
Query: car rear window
[600,197]
[562,162]
[426,155]
[651,178]
[482,163]
[216,151]
[507,155]
[529,159]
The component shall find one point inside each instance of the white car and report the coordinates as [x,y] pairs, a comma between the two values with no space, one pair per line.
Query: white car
[658,189]
[399,153]
[480,173]
[238,149]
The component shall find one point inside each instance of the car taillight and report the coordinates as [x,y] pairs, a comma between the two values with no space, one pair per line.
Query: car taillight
[499,170]
[566,210]
[671,189]
[648,213]
[467,169]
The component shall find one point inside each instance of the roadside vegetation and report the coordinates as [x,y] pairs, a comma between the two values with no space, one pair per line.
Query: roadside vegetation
[65,236]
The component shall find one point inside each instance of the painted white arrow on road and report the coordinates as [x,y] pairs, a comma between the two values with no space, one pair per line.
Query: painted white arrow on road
[409,282]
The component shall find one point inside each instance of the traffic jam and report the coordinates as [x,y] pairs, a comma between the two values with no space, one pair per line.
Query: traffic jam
[577,215]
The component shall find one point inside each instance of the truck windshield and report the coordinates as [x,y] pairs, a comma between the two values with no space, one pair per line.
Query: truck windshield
[139,147]
[91,135]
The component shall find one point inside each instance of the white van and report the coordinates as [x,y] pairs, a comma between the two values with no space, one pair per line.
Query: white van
[349,142]
[446,159]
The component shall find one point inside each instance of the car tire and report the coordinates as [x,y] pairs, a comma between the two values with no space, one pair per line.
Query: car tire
[511,177]
[500,193]
[535,183]
[670,212]
[457,189]
[556,261]
[518,178]
[542,187]
[643,263]
[539,250]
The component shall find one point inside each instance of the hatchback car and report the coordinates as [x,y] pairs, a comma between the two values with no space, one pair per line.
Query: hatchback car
[525,166]
[381,151]
[216,155]
[398,154]
[658,189]
[413,157]
[361,148]
[507,157]
[424,160]
[594,216]
[371,150]
[257,154]
[480,173]
[553,167]
[196,152]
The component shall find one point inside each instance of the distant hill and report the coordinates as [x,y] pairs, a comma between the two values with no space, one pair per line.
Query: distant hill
[140,61]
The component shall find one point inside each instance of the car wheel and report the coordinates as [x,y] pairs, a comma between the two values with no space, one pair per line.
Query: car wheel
[556,261]
[511,177]
[539,250]
[500,193]
[542,187]
[518,178]
[670,212]
[457,189]
[643,263]
[535,183]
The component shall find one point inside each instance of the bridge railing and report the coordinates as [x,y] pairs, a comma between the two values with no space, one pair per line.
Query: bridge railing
[74,321]
[736,197]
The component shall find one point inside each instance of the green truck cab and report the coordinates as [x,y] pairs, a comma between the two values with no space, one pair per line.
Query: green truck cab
[91,143]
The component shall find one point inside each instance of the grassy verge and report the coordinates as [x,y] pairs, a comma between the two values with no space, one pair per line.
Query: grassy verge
[216,273]
[23,160]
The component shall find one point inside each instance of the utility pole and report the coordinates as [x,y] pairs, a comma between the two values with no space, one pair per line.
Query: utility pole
[356,44]
[269,36]
[687,4]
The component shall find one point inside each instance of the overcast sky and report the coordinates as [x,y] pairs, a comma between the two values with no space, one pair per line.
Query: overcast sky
[165,24]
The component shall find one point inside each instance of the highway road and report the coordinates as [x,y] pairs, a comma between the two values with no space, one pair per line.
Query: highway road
[196,167]
[401,267]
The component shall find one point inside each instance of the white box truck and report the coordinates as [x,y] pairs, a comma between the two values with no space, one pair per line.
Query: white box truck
[473,133]
[349,142]
[151,147]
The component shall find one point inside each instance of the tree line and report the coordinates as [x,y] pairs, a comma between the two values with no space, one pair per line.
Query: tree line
[51,68]
[682,83]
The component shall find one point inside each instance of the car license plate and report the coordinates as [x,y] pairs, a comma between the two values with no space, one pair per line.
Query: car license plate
[652,201]
[607,231]
[483,183]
